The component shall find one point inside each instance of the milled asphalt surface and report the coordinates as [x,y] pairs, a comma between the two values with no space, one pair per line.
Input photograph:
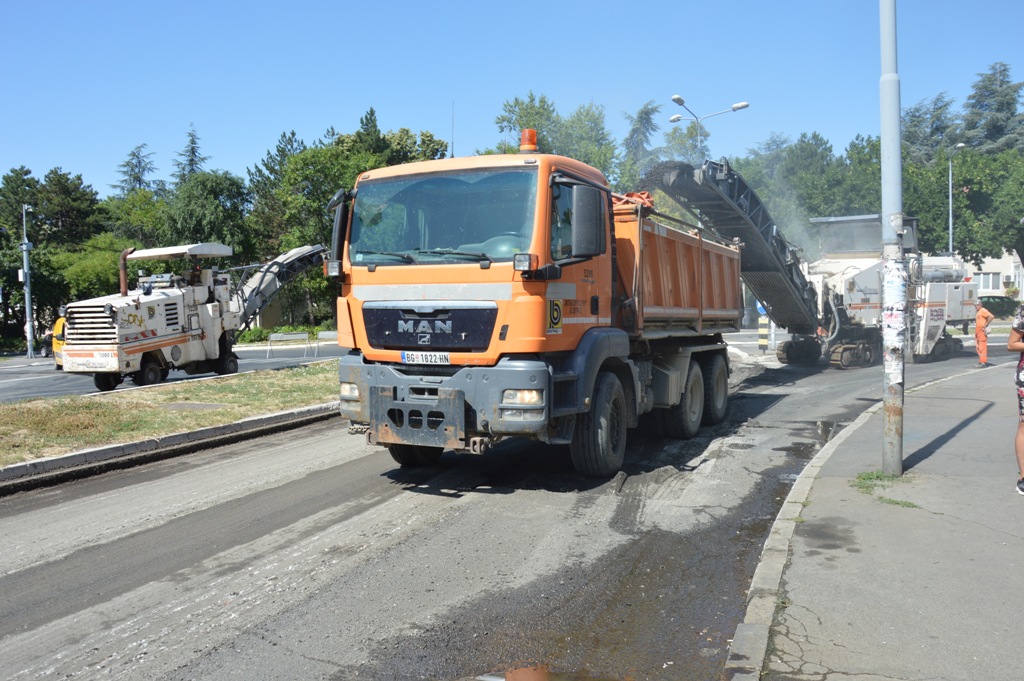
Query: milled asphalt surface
[915,579]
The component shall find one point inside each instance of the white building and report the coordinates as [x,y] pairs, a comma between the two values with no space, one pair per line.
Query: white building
[997,274]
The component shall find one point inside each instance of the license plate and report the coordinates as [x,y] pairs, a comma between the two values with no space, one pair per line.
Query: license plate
[425,358]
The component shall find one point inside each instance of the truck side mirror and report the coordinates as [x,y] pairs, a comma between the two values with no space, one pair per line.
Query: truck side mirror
[340,205]
[587,221]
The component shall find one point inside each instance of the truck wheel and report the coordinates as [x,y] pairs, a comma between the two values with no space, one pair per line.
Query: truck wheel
[716,390]
[599,443]
[415,456]
[106,382]
[228,364]
[149,374]
[682,421]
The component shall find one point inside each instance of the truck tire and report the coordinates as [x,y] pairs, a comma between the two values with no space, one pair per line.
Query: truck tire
[683,420]
[106,382]
[599,443]
[716,390]
[414,456]
[228,364]
[149,374]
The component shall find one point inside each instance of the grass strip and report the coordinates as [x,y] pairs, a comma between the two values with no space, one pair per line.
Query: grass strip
[42,427]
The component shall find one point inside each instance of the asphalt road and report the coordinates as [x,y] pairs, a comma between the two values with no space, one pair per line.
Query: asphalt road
[308,554]
[40,379]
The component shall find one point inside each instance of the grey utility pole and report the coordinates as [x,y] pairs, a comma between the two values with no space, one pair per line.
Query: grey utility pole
[894,266]
[27,272]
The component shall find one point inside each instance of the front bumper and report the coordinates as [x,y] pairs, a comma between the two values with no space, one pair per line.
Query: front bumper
[408,404]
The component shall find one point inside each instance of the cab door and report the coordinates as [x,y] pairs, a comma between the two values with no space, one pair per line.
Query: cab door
[580,299]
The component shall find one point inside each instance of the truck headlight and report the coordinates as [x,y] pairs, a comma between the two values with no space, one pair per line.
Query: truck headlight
[522,397]
[349,391]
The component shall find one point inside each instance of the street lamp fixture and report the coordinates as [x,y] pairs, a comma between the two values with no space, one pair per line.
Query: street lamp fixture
[697,119]
[955,149]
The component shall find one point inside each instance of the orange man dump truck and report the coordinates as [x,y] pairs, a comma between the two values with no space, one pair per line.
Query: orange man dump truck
[505,296]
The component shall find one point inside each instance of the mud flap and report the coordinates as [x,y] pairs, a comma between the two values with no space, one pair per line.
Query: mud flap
[439,423]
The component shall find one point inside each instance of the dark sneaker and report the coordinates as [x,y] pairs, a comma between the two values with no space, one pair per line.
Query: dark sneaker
[980,365]
[1020,486]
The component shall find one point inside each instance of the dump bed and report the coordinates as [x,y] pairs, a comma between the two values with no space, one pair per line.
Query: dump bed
[677,279]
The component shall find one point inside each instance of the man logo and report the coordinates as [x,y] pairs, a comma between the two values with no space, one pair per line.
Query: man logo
[424,326]
[554,316]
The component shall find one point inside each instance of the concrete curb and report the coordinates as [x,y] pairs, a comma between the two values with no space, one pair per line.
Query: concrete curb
[17,474]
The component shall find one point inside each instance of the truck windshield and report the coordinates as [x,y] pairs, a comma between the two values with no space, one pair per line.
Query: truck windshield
[484,215]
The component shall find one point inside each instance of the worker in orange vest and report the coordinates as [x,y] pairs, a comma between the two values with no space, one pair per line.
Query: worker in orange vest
[981,321]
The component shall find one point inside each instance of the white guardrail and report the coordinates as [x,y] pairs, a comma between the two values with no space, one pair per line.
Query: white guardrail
[288,338]
[325,336]
[291,337]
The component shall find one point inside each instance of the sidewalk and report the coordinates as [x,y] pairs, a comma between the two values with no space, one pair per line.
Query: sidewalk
[918,580]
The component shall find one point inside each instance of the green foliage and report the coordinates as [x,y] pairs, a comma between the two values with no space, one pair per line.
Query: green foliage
[140,215]
[253,335]
[135,170]
[583,136]
[90,269]
[191,160]
[991,121]
[211,207]
[66,209]
[533,113]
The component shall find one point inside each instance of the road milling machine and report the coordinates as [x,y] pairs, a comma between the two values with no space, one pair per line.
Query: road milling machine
[183,321]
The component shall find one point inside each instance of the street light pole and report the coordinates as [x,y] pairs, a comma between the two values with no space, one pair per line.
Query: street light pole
[26,269]
[697,119]
[955,149]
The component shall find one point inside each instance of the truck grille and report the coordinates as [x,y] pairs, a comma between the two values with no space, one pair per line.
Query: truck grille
[392,326]
[89,325]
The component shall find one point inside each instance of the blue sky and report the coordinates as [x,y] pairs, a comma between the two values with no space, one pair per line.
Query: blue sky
[85,82]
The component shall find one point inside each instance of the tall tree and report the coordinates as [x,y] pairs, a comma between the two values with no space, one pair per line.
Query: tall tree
[1006,220]
[266,219]
[368,137]
[685,144]
[17,189]
[637,154]
[190,159]
[535,113]
[90,269]
[139,216]
[991,119]
[404,147]
[135,170]
[852,186]
[68,210]
[584,137]
[928,128]
[211,206]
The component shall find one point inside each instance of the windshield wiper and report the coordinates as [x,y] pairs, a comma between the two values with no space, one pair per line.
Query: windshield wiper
[405,257]
[452,251]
